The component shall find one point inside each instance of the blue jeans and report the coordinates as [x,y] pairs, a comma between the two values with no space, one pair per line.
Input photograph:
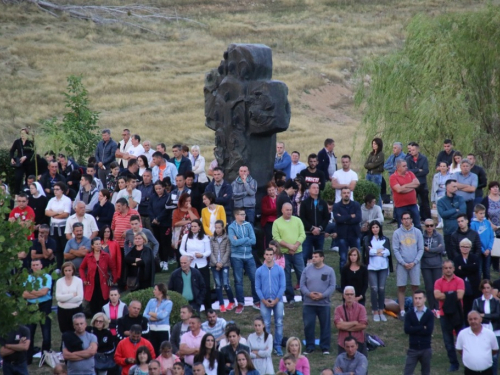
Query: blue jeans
[344,245]
[376,179]
[45,308]
[278,321]
[447,330]
[297,261]
[309,314]
[250,214]
[17,369]
[377,280]
[312,243]
[248,265]
[413,210]
[221,280]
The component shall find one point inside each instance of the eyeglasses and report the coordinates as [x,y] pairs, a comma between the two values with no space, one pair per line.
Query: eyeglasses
[242,214]
[98,321]
[55,189]
[406,218]
[465,247]
[429,225]
[348,294]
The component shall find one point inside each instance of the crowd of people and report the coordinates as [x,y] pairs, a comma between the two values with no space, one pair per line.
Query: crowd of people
[131,212]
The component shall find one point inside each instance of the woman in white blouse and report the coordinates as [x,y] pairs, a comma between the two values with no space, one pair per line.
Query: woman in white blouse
[198,165]
[261,346]
[377,255]
[69,296]
[196,245]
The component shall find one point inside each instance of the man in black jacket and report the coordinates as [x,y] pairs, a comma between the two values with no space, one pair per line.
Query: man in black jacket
[419,165]
[132,317]
[482,180]
[314,215]
[182,163]
[50,178]
[462,232]
[194,296]
[419,324]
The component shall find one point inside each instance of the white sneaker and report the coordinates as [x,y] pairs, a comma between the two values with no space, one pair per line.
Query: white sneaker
[376,317]
[165,266]
[440,225]
[383,318]
[335,248]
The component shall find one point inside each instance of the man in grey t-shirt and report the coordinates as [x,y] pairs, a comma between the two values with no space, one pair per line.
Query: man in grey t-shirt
[317,284]
[81,362]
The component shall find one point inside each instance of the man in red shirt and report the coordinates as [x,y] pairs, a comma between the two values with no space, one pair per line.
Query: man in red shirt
[25,216]
[127,348]
[444,290]
[403,184]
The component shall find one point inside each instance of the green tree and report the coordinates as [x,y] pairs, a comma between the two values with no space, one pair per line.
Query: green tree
[78,132]
[13,240]
[443,83]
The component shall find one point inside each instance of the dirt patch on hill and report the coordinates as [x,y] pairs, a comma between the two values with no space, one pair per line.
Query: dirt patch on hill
[332,104]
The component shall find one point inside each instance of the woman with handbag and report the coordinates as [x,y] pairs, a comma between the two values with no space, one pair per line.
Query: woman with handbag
[103,359]
[110,246]
[196,245]
[140,264]
[69,296]
[157,312]
[181,219]
[97,272]
[467,268]
[21,155]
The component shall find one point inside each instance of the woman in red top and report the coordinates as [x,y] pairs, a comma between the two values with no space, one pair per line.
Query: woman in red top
[181,219]
[95,272]
[111,247]
[269,213]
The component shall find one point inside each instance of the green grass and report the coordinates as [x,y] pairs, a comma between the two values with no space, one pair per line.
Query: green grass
[384,361]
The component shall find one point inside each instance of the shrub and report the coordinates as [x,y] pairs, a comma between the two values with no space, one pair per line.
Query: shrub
[145,295]
[364,187]
[328,193]
[6,169]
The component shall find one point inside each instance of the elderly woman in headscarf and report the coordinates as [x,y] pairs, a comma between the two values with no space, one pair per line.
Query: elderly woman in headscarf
[38,202]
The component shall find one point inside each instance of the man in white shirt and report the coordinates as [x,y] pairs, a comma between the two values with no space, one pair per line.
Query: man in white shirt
[130,193]
[136,149]
[344,178]
[148,152]
[90,229]
[123,148]
[477,345]
[296,165]
[58,209]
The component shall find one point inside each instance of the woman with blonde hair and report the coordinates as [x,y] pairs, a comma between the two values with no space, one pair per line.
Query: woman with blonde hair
[99,326]
[141,264]
[198,165]
[294,347]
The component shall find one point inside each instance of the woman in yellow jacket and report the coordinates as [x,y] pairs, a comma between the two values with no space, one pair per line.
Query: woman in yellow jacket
[211,213]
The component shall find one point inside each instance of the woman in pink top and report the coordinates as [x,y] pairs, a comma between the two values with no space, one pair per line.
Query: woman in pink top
[279,259]
[294,346]
[166,358]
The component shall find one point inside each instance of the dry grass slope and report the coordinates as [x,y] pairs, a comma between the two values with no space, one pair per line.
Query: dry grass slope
[155,86]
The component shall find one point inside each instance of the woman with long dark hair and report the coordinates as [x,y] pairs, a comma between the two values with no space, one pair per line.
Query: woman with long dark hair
[374,164]
[244,365]
[142,162]
[142,358]
[260,343]
[355,274]
[196,245]
[212,359]
[377,255]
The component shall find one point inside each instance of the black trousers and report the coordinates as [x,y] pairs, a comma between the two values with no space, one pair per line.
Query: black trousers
[65,318]
[423,200]
[205,272]
[468,371]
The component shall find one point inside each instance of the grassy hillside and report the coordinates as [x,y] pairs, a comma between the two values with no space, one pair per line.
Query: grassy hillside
[154,86]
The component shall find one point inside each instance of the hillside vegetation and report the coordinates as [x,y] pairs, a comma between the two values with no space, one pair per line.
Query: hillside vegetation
[154,86]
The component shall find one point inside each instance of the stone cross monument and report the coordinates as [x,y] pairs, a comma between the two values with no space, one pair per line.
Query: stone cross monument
[246,109]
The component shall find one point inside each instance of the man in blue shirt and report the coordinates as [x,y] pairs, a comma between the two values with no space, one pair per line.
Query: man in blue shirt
[38,291]
[77,247]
